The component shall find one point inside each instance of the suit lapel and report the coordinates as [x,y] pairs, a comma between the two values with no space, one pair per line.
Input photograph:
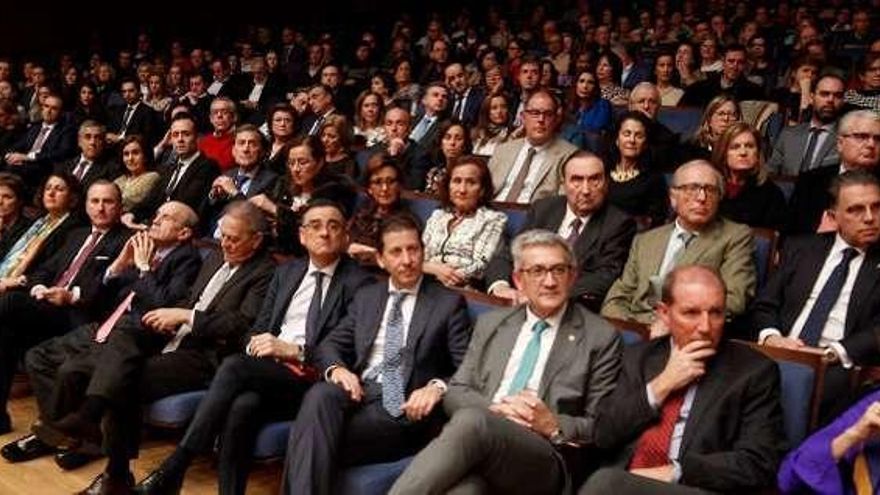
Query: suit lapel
[421,315]
[501,346]
[373,320]
[590,234]
[334,292]
[712,383]
[213,263]
[656,251]
[862,289]
[812,258]
[567,341]
[701,244]
[282,301]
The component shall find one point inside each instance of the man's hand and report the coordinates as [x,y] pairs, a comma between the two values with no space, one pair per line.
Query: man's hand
[11,282]
[396,146]
[826,224]
[16,158]
[538,416]
[659,473]
[507,292]
[683,367]
[143,249]
[513,412]
[263,202]
[348,381]
[58,296]
[166,320]
[224,186]
[270,346]
[784,342]
[421,402]
[127,219]
[448,275]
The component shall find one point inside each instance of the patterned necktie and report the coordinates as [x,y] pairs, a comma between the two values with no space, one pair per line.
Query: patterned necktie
[41,139]
[104,330]
[529,359]
[575,232]
[685,239]
[520,181]
[392,358]
[807,161]
[314,312]
[76,265]
[812,330]
[213,287]
[80,171]
[652,449]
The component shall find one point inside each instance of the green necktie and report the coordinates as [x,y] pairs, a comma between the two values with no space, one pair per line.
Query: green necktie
[529,359]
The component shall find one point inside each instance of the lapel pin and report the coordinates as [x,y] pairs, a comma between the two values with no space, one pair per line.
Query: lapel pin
[570,338]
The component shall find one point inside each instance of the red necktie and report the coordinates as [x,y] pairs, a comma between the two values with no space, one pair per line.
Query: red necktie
[80,260]
[652,449]
[104,329]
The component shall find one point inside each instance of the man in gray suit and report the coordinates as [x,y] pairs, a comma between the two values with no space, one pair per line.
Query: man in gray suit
[529,168]
[523,402]
[812,144]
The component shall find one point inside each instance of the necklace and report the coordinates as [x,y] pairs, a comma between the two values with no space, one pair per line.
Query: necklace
[624,175]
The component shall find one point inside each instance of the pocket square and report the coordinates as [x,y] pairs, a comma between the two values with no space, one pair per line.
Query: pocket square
[102,258]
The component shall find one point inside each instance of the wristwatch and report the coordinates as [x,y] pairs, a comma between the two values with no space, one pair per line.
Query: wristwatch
[556,438]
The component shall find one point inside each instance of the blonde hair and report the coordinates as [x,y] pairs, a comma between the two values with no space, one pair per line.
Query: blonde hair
[704,131]
[719,151]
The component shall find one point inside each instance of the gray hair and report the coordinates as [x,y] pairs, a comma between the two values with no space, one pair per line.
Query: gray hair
[719,179]
[248,213]
[539,237]
[846,122]
[644,85]
[91,124]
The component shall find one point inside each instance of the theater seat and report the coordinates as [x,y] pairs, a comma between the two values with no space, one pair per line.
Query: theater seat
[516,218]
[421,206]
[174,411]
[371,479]
[797,392]
[630,337]
[682,121]
[272,440]
[766,241]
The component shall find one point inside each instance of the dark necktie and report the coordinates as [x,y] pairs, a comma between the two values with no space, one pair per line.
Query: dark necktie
[76,265]
[80,171]
[41,139]
[652,449]
[125,118]
[172,184]
[240,180]
[807,161]
[392,358]
[314,311]
[457,108]
[520,181]
[815,323]
[575,232]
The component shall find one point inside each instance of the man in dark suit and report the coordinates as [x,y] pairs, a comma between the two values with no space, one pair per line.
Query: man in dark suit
[789,155]
[135,117]
[385,366]
[43,145]
[268,381]
[321,105]
[730,80]
[397,145]
[92,164]
[187,181]
[599,233]
[858,143]
[663,144]
[523,402]
[248,179]
[465,100]
[62,293]
[259,94]
[431,112]
[180,347]
[691,410]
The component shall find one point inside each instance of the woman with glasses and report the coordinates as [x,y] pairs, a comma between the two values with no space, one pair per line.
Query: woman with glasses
[868,93]
[635,186]
[383,186]
[749,196]
[461,237]
[721,112]
[282,129]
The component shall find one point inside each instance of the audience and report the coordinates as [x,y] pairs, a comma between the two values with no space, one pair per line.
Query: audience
[138,177]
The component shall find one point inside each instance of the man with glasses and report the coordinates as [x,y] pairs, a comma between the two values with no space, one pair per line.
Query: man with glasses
[858,143]
[217,144]
[305,298]
[523,402]
[529,168]
[698,235]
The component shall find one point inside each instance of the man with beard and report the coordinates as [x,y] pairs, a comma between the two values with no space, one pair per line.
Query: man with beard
[811,145]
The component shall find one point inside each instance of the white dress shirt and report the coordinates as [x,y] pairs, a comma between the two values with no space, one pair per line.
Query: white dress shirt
[293,326]
[407,308]
[532,179]
[565,227]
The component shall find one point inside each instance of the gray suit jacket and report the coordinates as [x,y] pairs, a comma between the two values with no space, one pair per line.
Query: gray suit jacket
[726,246]
[581,369]
[788,152]
[550,175]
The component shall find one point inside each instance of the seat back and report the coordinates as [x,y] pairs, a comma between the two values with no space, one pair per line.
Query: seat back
[174,411]
[479,303]
[765,254]
[516,217]
[631,332]
[421,205]
[680,120]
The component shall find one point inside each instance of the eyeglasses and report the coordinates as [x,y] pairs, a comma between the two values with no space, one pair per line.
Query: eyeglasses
[693,190]
[863,137]
[726,115]
[538,272]
[390,181]
[535,113]
[332,226]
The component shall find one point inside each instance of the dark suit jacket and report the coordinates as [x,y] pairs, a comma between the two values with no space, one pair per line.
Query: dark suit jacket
[639,73]
[783,298]
[102,168]
[810,198]
[601,249]
[143,121]
[12,233]
[733,439]
[263,182]
[59,146]
[471,107]
[53,243]
[436,340]
[700,93]
[192,189]
[220,326]
[347,279]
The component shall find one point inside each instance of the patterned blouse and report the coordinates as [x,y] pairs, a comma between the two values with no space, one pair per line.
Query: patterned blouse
[470,245]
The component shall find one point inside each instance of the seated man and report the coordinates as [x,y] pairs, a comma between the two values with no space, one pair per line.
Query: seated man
[599,233]
[268,382]
[528,388]
[691,411]
[385,369]
[697,236]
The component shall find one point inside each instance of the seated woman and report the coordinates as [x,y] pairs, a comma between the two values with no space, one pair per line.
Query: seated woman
[721,112]
[369,109]
[461,237]
[586,111]
[59,197]
[635,185]
[282,129]
[608,70]
[867,95]
[13,222]
[335,134]
[839,459]
[749,196]
[383,183]
[139,178]
[306,178]
[452,142]
[795,99]
[664,74]
[493,124]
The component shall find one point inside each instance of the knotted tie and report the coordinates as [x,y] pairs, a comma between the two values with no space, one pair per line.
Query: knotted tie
[827,297]
[529,359]
[652,449]
[392,358]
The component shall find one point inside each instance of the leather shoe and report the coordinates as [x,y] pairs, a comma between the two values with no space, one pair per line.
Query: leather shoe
[73,459]
[104,484]
[26,449]
[160,482]
[76,427]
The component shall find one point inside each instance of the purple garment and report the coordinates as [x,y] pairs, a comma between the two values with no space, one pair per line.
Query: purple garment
[811,468]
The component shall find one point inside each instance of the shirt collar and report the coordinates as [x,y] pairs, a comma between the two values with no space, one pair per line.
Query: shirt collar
[186,162]
[553,320]
[538,149]
[678,229]
[328,270]
[413,291]
[840,244]
[571,215]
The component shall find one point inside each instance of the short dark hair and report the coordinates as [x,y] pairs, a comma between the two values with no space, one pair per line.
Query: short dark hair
[183,116]
[485,179]
[398,222]
[146,149]
[850,178]
[14,183]
[320,203]
[72,184]
[106,182]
